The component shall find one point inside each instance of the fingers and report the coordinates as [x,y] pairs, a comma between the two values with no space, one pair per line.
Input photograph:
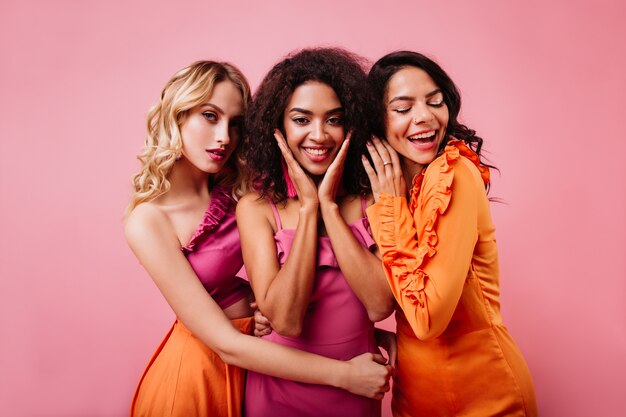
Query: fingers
[340,158]
[262,325]
[373,178]
[376,158]
[371,174]
[378,358]
[343,151]
[393,157]
[284,148]
[383,152]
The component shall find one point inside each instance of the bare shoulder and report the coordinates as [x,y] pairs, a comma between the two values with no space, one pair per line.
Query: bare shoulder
[252,203]
[144,222]
[253,209]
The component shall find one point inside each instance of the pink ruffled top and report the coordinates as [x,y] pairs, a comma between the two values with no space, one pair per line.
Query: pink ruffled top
[336,325]
[214,251]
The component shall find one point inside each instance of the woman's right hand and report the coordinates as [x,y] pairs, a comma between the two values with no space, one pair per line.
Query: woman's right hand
[368,376]
[305,187]
[386,174]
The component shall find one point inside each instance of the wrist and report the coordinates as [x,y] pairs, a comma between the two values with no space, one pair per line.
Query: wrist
[309,208]
[329,207]
[342,376]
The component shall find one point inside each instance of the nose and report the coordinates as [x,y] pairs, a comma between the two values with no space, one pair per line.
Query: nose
[222,134]
[422,114]
[318,130]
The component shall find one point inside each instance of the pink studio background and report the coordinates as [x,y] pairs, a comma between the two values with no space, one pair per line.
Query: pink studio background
[542,82]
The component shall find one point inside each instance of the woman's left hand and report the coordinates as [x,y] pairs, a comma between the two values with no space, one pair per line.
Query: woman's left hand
[332,179]
[388,341]
[386,175]
[262,325]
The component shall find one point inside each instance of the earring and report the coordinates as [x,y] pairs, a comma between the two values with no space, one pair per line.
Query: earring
[291,190]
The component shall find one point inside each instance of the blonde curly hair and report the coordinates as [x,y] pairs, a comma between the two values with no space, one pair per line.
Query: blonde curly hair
[187,89]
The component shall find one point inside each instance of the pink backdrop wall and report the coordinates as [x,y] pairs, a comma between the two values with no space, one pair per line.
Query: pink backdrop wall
[543,82]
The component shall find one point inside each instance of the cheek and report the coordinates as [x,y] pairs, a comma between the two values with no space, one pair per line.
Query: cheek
[444,116]
[394,127]
[338,134]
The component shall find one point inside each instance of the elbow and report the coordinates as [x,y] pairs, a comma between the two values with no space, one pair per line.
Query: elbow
[226,349]
[285,324]
[287,328]
[381,310]
[379,314]
[285,319]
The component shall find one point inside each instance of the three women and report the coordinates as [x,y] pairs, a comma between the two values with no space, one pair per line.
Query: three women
[308,252]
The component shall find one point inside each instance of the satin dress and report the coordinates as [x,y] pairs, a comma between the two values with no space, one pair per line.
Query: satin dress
[336,325]
[455,356]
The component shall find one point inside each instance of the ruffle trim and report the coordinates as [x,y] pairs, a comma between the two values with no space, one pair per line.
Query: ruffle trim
[325,253]
[221,203]
[412,283]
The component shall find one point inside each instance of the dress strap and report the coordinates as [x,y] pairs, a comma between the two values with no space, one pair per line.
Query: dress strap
[279,225]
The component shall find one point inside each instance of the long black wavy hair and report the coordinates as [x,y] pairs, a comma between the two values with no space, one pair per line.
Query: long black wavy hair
[343,72]
[378,80]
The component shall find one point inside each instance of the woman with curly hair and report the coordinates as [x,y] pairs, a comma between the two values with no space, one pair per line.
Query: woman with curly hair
[181,226]
[306,243]
[455,356]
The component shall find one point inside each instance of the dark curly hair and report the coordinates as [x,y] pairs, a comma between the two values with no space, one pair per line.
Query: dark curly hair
[339,69]
[388,65]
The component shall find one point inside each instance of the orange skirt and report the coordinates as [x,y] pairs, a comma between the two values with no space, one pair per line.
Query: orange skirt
[185,378]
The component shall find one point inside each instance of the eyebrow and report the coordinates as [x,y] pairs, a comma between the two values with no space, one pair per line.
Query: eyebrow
[409,98]
[217,108]
[299,110]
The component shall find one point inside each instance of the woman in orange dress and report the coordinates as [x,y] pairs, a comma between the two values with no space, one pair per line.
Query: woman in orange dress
[455,356]
[181,226]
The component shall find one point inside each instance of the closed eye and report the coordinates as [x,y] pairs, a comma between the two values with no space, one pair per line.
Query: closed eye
[402,110]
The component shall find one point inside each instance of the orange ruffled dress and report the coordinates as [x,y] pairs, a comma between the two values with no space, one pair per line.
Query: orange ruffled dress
[185,378]
[455,356]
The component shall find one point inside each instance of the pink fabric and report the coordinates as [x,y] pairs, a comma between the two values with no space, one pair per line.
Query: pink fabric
[214,251]
[336,325]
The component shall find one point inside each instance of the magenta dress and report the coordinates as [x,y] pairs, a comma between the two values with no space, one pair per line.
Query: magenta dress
[336,325]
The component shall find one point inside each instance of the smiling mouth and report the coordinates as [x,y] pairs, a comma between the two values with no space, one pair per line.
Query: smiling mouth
[316,151]
[425,137]
[317,154]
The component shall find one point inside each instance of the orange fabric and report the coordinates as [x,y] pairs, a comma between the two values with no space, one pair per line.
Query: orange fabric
[185,378]
[439,252]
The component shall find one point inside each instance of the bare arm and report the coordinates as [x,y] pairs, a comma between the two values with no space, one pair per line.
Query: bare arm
[154,242]
[282,294]
[363,269]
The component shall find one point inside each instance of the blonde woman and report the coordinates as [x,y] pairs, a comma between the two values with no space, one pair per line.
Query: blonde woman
[181,226]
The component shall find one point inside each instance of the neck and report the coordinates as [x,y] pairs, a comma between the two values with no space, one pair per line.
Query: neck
[410,169]
[187,181]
